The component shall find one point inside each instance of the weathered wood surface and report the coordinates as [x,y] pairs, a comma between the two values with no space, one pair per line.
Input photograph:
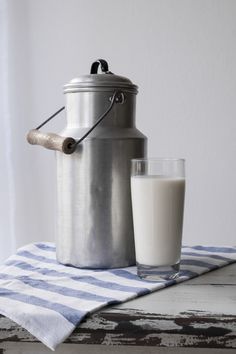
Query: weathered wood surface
[37,348]
[51,141]
[200,313]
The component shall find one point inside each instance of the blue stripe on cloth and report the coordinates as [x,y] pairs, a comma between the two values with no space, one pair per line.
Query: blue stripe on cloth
[169,282]
[198,263]
[33,269]
[83,279]
[30,255]
[45,247]
[29,267]
[58,289]
[214,249]
[213,256]
[124,274]
[187,273]
[70,314]
[109,284]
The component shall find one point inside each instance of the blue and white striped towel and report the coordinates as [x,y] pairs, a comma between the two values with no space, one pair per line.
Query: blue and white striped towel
[50,300]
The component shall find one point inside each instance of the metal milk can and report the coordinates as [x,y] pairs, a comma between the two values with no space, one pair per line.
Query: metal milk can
[94,215]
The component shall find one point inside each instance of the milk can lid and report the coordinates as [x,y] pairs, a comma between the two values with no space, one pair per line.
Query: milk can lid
[106,81]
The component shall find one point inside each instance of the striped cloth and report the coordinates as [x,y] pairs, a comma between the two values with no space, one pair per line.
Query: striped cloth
[50,300]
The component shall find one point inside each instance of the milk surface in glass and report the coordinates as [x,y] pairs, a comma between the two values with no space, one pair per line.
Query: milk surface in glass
[158,204]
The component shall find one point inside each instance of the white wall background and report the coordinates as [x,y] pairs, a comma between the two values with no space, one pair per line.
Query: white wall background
[182,54]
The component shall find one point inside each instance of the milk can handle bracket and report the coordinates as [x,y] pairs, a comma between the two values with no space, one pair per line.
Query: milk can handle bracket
[67,144]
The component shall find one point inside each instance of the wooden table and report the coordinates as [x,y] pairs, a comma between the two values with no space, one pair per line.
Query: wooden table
[197,316]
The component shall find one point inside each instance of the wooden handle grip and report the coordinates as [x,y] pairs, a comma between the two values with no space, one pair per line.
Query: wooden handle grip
[51,141]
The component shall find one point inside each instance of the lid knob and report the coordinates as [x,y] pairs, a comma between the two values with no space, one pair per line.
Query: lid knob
[103,64]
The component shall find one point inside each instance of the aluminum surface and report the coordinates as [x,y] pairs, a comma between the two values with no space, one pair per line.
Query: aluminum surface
[94,214]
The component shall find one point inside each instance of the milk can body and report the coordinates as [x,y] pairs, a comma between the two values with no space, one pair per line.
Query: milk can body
[94,227]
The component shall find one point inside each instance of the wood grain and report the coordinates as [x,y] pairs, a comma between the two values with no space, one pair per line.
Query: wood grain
[51,141]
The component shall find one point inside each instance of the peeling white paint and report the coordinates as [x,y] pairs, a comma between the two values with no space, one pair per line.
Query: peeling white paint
[117,339]
[161,324]
[97,322]
[224,325]
[79,337]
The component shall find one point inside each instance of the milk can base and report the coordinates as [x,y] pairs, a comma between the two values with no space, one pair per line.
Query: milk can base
[98,265]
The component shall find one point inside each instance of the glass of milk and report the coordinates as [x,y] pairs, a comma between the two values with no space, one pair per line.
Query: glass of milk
[157,190]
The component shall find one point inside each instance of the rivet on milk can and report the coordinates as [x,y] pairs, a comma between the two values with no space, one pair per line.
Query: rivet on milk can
[94,214]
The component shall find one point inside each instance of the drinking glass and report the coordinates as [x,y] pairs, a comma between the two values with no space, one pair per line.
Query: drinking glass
[157,190]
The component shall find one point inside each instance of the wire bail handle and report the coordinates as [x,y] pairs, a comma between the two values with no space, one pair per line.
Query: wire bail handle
[67,145]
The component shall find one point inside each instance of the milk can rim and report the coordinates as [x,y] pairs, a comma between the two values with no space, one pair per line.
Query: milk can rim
[100,82]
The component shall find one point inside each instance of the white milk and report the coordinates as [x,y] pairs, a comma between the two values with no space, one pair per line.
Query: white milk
[158,204]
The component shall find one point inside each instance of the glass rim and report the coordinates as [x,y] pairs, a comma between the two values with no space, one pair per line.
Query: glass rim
[158,159]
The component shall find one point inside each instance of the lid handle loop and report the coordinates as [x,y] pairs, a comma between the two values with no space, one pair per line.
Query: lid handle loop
[103,64]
